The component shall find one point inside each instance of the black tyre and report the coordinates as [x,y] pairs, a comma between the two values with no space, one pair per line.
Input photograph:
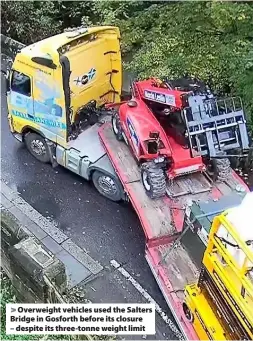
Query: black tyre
[154,180]
[37,146]
[188,313]
[219,169]
[108,186]
[116,126]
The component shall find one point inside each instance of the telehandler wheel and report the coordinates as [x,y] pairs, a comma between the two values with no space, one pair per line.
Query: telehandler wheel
[116,127]
[37,146]
[154,180]
[219,169]
[108,186]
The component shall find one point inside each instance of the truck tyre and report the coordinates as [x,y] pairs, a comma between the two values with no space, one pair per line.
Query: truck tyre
[37,146]
[219,169]
[116,127]
[154,180]
[108,185]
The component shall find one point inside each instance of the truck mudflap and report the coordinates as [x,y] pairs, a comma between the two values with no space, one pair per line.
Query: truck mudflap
[173,296]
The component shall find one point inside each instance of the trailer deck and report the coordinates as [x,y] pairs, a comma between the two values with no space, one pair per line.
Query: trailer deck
[172,275]
[162,221]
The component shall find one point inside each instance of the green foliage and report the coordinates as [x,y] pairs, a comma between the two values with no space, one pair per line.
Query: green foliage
[212,40]
[209,40]
[7,296]
[29,21]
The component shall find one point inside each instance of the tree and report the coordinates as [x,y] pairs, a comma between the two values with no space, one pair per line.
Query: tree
[211,40]
[29,21]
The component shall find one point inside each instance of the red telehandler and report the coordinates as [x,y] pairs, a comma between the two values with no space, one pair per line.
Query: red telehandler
[178,127]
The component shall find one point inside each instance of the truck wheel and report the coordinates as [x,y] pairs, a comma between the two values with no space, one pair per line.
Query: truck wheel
[116,127]
[107,185]
[37,146]
[154,180]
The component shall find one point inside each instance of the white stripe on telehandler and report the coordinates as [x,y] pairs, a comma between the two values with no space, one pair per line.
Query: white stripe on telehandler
[150,299]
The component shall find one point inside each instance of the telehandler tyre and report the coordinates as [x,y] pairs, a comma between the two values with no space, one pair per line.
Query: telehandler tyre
[116,127]
[37,146]
[219,169]
[154,180]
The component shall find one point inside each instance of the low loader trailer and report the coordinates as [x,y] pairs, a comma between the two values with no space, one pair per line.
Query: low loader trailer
[176,227]
[59,93]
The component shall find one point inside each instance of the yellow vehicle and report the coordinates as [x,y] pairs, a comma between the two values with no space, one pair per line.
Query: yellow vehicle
[220,304]
[55,91]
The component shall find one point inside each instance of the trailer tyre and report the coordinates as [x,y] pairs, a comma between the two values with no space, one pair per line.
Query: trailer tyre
[107,185]
[154,180]
[116,126]
[37,146]
[188,313]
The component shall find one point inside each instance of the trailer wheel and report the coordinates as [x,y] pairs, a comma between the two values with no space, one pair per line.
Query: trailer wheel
[154,180]
[219,169]
[107,185]
[116,127]
[37,146]
[188,313]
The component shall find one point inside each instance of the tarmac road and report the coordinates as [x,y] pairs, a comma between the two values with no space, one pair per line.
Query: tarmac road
[108,231]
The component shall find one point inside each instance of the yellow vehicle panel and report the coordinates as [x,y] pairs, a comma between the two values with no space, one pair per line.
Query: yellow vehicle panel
[204,320]
[232,278]
[95,74]
[242,307]
[221,303]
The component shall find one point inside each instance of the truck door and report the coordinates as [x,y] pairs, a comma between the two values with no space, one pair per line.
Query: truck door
[20,99]
[35,101]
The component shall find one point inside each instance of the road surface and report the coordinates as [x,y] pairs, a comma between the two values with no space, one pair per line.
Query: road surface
[107,230]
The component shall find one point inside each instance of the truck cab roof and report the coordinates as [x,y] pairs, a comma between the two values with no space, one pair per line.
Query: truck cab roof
[52,45]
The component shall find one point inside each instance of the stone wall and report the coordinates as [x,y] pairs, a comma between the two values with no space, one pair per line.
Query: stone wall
[36,274]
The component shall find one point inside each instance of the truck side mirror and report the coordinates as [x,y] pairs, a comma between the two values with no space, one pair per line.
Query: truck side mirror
[152,147]
[7,84]
[6,75]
